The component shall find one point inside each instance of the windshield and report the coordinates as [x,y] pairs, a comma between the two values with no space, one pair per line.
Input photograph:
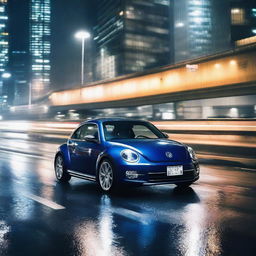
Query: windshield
[130,130]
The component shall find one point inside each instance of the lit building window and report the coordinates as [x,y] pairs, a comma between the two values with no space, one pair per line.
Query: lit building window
[238,16]
[254,12]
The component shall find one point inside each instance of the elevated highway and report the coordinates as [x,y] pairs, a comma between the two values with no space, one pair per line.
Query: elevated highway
[232,73]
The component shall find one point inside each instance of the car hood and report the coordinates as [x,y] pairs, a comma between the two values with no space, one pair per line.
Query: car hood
[156,150]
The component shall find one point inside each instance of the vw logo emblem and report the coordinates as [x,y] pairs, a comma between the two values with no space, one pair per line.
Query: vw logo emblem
[169,154]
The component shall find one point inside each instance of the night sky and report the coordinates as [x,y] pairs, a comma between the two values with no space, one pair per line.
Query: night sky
[67,18]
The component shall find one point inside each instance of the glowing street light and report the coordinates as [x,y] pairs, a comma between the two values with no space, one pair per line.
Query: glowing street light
[6,75]
[82,35]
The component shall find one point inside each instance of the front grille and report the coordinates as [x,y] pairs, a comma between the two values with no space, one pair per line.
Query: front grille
[162,176]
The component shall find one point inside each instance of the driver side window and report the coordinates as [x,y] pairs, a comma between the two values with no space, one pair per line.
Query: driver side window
[142,130]
[85,130]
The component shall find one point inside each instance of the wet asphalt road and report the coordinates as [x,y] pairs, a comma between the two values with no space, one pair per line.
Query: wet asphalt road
[216,216]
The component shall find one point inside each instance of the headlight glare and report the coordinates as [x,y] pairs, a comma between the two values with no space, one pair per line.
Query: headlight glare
[130,156]
[192,153]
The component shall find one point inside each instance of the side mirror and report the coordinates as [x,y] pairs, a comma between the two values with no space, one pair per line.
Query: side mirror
[166,135]
[91,138]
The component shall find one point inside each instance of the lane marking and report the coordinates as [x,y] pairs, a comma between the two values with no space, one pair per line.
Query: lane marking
[23,154]
[45,202]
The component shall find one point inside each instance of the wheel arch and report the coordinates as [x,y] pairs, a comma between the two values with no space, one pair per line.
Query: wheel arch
[101,158]
[63,151]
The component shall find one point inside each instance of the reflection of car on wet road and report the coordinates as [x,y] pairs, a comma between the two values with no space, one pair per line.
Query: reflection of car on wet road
[115,151]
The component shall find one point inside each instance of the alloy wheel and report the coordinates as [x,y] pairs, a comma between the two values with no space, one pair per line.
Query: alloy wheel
[59,167]
[106,176]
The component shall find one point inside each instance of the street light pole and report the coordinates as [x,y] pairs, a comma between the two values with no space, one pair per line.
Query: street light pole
[82,35]
[82,63]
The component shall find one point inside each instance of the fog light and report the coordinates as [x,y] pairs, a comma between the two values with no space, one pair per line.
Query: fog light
[131,174]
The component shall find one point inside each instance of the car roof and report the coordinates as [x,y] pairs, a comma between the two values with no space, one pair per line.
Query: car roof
[101,120]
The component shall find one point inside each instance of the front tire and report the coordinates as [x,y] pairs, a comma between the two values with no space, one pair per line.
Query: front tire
[60,170]
[105,176]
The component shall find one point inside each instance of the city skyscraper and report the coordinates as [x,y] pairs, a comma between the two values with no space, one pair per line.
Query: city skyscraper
[19,62]
[132,36]
[4,48]
[243,19]
[30,49]
[201,27]
[40,46]
[4,36]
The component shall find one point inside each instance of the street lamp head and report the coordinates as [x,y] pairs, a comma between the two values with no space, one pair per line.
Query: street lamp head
[6,75]
[82,35]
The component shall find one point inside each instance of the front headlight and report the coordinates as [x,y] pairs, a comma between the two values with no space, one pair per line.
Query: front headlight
[130,155]
[192,153]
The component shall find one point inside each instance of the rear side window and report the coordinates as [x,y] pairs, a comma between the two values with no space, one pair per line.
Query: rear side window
[86,129]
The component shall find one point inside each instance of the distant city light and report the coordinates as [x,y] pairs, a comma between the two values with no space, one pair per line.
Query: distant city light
[179,24]
[6,75]
[254,12]
[82,35]
[12,109]
[198,19]
[128,114]
[46,108]
[234,112]
[233,62]
[217,65]
[196,13]
[235,10]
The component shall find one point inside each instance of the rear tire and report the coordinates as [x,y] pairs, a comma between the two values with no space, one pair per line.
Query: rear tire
[106,176]
[183,184]
[60,170]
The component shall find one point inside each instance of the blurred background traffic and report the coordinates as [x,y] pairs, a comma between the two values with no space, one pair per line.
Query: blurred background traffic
[187,66]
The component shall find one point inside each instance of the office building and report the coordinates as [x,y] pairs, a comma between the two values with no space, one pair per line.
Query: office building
[40,46]
[4,42]
[4,36]
[201,27]
[30,49]
[19,61]
[243,19]
[132,36]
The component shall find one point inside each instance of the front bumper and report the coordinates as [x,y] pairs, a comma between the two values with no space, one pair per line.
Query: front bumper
[156,173]
[173,181]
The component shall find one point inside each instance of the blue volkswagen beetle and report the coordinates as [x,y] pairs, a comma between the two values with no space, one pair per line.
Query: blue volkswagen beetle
[116,151]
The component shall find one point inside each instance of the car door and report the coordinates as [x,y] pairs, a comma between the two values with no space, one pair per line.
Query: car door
[84,154]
